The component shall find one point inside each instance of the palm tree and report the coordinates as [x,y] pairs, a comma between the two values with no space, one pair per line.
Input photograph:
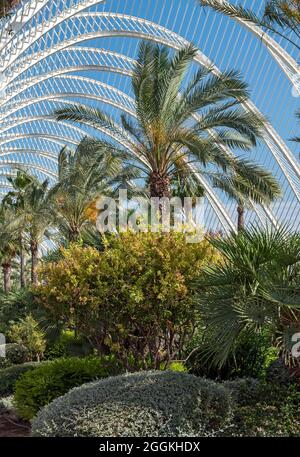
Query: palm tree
[15,199]
[84,175]
[280,17]
[172,131]
[38,214]
[256,285]
[8,244]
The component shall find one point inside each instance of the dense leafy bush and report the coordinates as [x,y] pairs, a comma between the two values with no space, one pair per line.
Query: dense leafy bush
[9,376]
[40,386]
[15,354]
[256,287]
[250,357]
[16,305]
[153,403]
[262,409]
[134,299]
[67,344]
[279,373]
[28,333]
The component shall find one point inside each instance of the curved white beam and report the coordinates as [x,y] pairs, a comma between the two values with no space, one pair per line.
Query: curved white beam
[124,25]
[28,165]
[51,120]
[13,51]
[73,58]
[280,55]
[55,138]
[87,88]
[48,155]
[22,15]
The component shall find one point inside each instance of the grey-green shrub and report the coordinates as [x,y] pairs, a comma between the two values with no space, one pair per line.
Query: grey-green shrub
[15,354]
[9,376]
[152,403]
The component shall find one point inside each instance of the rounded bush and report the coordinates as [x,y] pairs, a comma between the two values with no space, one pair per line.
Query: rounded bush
[15,354]
[279,373]
[53,379]
[9,376]
[152,403]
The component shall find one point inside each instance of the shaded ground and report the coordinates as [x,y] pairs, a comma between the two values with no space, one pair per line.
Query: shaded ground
[11,426]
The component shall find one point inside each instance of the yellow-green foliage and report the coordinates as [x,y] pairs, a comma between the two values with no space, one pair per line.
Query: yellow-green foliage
[136,297]
[28,333]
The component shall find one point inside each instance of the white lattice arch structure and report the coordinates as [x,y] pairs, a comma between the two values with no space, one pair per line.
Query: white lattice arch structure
[37,60]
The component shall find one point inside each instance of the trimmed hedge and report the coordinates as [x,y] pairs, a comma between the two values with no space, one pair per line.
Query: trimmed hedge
[152,403]
[39,387]
[9,376]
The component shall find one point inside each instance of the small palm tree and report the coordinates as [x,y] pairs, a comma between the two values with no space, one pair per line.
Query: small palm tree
[280,17]
[15,200]
[174,121]
[257,285]
[38,216]
[84,175]
[8,244]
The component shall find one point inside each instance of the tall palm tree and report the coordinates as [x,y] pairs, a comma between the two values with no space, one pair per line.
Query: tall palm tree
[15,200]
[171,134]
[8,244]
[257,285]
[38,214]
[84,175]
[280,17]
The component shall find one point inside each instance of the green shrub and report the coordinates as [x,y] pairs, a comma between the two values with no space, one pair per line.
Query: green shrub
[42,385]
[15,354]
[9,376]
[28,333]
[279,373]
[140,288]
[152,403]
[251,357]
[68,345]
[15,305]
[262,409]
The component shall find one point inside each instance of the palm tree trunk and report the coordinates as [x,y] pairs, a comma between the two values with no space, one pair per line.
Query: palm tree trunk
[6,268]
[74,235]
[22,263]
[160,188]
[241,217]
[34,261]
[159,185]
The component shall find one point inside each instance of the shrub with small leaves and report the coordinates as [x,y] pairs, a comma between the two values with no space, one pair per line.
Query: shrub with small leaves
[28,333]
[15,354]
[261,409]
[53,379]
[152,403]
[9,376]
[135,299]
